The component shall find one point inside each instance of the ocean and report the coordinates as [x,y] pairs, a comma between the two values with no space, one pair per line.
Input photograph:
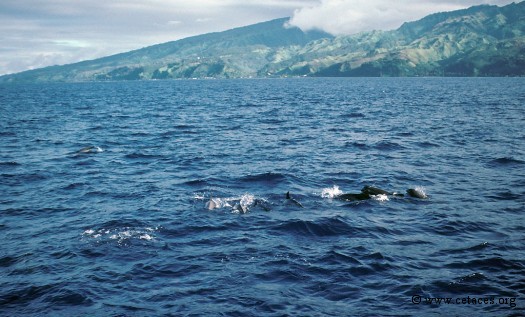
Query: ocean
[168,198]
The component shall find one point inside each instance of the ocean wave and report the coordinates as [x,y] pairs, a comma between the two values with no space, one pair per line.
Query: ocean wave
[339,258]
[357,145]
[270,177]
[505,162]
[473,283]
[354,115]
[26,178]
[325,227]
[335,291]
[146,271]
[388,146]
[65,296]
[476,248]
[73,186]
[505,195]
[281,275]
[272,121]
[195,230]
[7,261]
[23,295]
[209,182]
[427,144]
[491,264]
[142,156]
[10,164]
[186,127]
[453,227]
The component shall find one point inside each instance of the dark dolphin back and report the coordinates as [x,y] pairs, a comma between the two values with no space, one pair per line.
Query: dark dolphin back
[374,191]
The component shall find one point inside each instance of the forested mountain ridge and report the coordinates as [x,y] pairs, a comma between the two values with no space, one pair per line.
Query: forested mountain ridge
[479,41]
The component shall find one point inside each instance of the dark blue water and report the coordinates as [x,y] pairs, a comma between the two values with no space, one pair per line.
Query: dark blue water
[124,230]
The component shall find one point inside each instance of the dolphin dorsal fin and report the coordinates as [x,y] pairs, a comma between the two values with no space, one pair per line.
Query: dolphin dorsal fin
[288,195]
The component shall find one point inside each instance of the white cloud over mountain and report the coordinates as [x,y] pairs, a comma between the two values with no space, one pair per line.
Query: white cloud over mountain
[353,16]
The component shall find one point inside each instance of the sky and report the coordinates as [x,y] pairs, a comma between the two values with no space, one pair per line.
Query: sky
[39,33]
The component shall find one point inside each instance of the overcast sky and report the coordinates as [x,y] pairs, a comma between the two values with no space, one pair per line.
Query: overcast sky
[38,33]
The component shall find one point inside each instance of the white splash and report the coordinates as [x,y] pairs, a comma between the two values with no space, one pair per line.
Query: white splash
[146,237]
[120,235]
[238,204]
[198,196]
[421,191]
[244,204]
[380,197]
[247,200]
[331,192]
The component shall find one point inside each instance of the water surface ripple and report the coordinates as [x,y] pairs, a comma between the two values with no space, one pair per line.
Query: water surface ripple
[123,228]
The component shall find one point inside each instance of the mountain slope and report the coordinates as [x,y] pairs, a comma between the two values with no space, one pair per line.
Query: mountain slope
[479,41]
[232,53]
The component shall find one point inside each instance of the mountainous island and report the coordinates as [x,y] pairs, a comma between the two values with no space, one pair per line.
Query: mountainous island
[480,41]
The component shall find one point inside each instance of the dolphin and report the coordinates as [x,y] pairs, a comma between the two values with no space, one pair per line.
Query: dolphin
[89,150]
[290,200]
[240,208]
[374,191]
[378,191]
[366,193]
[212,204]
[416,193]
[262,203]
[243,206]
[354,197]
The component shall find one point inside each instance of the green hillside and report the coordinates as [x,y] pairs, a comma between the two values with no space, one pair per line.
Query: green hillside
[479,41]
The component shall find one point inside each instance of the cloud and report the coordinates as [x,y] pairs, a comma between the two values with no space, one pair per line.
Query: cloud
[36,33]
[340,17]
[71,43]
